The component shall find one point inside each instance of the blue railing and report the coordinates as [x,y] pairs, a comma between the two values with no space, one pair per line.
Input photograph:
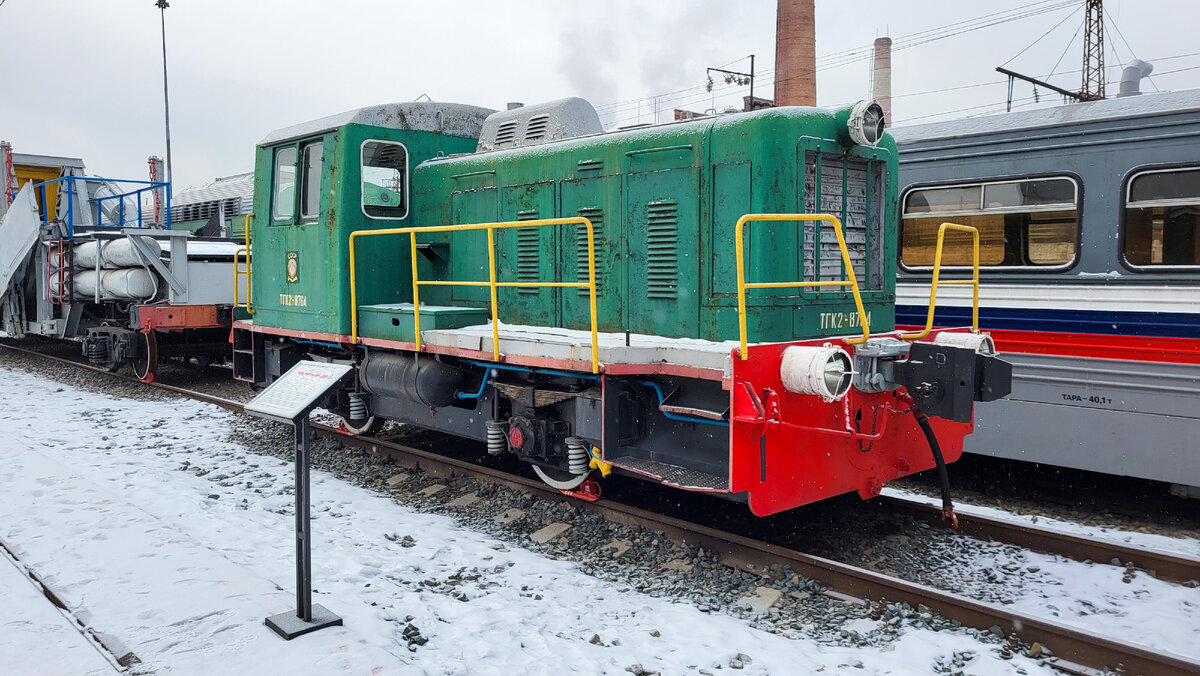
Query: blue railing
[121,221]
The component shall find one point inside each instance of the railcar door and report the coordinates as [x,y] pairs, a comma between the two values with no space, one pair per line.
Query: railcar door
[528,255]
[663,240]
[597,199]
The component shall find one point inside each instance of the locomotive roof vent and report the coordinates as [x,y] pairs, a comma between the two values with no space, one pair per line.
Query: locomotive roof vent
[539,123]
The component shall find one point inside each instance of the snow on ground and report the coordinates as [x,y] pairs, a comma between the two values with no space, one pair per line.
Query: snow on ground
[102,498]
[28,620]
[1189,547]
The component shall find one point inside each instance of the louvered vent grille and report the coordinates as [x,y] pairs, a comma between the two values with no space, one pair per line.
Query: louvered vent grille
[528,256]
[596,216]
[860,212]
[537,127]
[205,210]
[662,250]
[507,132]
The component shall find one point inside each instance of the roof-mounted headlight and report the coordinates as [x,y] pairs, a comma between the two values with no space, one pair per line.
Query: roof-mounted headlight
[864,124]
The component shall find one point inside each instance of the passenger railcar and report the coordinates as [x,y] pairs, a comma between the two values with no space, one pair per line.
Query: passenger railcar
[589,301]
[1089,217]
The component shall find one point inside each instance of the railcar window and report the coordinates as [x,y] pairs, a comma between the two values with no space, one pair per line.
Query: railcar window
[384,180]
[1031,222]
[1162,218]
[284,202]
[310,180]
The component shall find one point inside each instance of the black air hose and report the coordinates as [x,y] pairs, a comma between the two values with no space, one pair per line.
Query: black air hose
[943,477]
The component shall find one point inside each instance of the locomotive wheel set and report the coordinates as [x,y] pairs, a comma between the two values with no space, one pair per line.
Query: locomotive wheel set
[707,304]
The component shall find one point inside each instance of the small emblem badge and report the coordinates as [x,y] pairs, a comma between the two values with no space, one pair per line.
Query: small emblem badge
[293,267]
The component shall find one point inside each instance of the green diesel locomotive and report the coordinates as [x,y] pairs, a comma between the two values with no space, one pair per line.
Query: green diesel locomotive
[708,304]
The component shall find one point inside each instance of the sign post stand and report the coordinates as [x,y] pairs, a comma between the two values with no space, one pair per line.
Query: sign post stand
[290,399]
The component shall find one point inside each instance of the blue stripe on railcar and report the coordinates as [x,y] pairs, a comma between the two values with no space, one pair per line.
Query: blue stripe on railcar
[1163,324]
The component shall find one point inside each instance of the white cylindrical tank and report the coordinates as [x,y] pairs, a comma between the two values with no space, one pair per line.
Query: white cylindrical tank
[54,292]
[123,284]
[115,253]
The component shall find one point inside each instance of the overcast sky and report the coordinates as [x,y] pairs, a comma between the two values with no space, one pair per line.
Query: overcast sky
[84,78]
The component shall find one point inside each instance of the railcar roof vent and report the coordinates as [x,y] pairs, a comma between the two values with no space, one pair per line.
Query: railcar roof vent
[506,133]
[539,123]
[537,127]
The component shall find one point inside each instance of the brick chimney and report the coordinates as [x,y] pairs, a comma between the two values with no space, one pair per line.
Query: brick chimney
[881,81]
[795,53]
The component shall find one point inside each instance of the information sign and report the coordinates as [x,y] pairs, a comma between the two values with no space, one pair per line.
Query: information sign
[289,399]
[297,391]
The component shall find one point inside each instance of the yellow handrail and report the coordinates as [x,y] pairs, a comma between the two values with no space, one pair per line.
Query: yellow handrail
[243,253]
[852,282]
[492,284]
[937,268]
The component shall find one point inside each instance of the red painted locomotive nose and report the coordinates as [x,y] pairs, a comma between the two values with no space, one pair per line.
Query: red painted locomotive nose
[516,438]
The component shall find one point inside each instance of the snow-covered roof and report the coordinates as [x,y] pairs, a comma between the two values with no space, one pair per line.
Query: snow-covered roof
[47,160]
[1093,111]
[450,119]
[238,185]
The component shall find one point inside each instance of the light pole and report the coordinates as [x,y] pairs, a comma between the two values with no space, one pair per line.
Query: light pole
[162,6]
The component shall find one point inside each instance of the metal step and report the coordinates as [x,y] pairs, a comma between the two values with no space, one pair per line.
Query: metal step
[673,475]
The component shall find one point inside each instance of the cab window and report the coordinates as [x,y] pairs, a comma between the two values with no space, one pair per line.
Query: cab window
[1022,223]
[284,195]
[310,180]
[384,180]
[1162,218]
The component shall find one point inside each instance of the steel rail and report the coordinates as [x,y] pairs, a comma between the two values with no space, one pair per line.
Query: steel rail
[1071,647]
[1160,564]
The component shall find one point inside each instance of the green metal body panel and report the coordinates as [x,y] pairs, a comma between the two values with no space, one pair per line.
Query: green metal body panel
[664,202]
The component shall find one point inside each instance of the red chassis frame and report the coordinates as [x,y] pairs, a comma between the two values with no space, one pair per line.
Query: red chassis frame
[788,449]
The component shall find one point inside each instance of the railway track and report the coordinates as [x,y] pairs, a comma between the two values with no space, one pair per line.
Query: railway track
[1075,651]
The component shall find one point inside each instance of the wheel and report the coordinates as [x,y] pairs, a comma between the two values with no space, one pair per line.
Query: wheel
[369,426]
[560,479]
[146,363]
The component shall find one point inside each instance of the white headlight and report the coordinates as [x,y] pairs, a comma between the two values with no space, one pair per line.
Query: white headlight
[865,125]
[980,342]
[823,371]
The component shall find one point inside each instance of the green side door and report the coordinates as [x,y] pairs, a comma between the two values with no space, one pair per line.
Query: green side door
[663,226]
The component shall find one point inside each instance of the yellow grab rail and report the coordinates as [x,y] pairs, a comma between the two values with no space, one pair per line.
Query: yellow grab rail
[937,268]
[852,282]
[492,284]
[243,254]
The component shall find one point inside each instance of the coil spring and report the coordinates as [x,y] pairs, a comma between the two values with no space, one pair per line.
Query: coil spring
[358,408]
[577,456]
[497,440]
[97,352]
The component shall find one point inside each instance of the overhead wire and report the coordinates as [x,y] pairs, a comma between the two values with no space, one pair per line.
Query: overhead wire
[685,96]
[1065,50]
[846,57]
[1132,53]
[1052,29]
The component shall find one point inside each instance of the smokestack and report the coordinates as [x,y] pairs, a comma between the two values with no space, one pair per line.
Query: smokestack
[795,53]
[881,83]
[1131,77]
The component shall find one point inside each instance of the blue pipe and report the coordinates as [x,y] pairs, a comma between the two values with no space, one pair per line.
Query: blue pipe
[316,342]
[526,369]
[675,416]
[482,387]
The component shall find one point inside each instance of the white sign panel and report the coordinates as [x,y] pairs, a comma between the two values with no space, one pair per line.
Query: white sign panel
[297,390]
